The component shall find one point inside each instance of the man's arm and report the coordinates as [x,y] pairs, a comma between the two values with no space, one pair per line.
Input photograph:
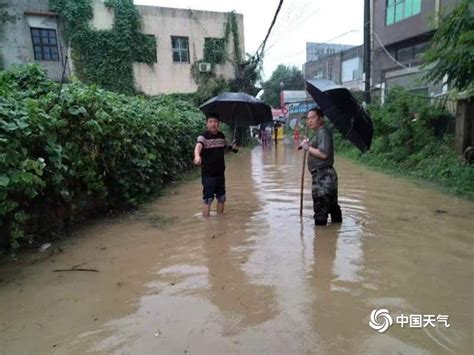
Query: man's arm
[197,153]
[315,152]
[232,147]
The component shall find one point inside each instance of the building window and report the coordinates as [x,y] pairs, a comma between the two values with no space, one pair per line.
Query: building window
[319,74]
[398,10]
[45,44]
[420,91]
[180,49]
[355,74]
[419,49]
[214,50]
[405,54]
[412,52]
[350,69]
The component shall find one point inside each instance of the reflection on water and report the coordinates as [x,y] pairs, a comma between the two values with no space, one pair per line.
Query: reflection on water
[259,279]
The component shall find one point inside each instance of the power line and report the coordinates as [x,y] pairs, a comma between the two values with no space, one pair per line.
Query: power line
[254,61]
[326,41]
[296,53]
[289,25]
[308,16]
[390,56]
[295,18]
[289,10]
[262,46]
[284,30]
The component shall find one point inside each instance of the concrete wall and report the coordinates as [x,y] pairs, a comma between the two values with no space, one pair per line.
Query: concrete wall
[409,27]
[353,59]
[404,29]
[165,76]
[350,69]
[314,51]
[411,78]
[16,43]
[103,16]
[408,32]
[331,67]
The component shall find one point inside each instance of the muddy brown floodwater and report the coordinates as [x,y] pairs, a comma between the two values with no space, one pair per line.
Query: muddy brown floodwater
[258,279]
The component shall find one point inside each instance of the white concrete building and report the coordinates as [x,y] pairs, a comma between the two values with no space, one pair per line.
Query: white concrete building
[30,34]
[180,36]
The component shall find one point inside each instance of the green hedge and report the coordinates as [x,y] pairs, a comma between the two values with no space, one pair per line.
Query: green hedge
[414,138]
[90,149]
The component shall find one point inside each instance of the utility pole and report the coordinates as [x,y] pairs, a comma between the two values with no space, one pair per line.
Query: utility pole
[367,51]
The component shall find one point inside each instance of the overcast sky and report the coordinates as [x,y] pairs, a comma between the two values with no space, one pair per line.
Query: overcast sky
[299,21]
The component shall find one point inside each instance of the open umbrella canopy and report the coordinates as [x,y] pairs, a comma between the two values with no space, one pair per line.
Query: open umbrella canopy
[238,108]
[346,114]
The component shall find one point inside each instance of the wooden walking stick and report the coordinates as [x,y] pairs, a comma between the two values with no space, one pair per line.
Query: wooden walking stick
[302,176]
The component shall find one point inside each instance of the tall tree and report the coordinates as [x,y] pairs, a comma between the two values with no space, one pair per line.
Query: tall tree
[290,76]
[452,48]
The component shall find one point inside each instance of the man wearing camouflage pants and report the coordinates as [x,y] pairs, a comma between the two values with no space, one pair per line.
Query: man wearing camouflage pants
[320,163]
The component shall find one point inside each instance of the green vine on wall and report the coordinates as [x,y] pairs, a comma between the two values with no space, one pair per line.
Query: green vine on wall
[215,49]
[232,27]
[216,52]
[105,57]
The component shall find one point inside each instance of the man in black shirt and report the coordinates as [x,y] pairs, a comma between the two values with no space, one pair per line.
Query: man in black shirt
[209,153]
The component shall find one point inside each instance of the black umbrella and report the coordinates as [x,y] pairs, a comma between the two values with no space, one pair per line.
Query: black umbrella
[346,114]
[238,108]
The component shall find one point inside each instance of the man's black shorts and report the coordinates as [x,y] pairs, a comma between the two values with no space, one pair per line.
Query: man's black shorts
[213,186]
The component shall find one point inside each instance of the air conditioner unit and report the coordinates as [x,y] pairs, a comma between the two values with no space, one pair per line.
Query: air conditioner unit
[204,67]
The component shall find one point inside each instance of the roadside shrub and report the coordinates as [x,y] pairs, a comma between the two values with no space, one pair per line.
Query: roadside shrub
[87,150]
[411,137]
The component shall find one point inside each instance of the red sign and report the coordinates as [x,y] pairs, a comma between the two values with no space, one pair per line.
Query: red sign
[276,112]
[280,112]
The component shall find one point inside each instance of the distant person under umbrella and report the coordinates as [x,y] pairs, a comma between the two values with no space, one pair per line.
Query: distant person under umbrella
[209,153]
[320,164]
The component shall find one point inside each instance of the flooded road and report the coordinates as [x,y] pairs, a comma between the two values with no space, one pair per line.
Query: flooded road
[258,279]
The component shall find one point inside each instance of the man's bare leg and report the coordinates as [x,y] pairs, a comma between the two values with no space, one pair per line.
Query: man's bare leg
[220,207]
[206,209]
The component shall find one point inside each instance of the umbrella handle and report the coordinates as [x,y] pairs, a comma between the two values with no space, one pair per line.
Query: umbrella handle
[352,127]
[235,128]
[235,120]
